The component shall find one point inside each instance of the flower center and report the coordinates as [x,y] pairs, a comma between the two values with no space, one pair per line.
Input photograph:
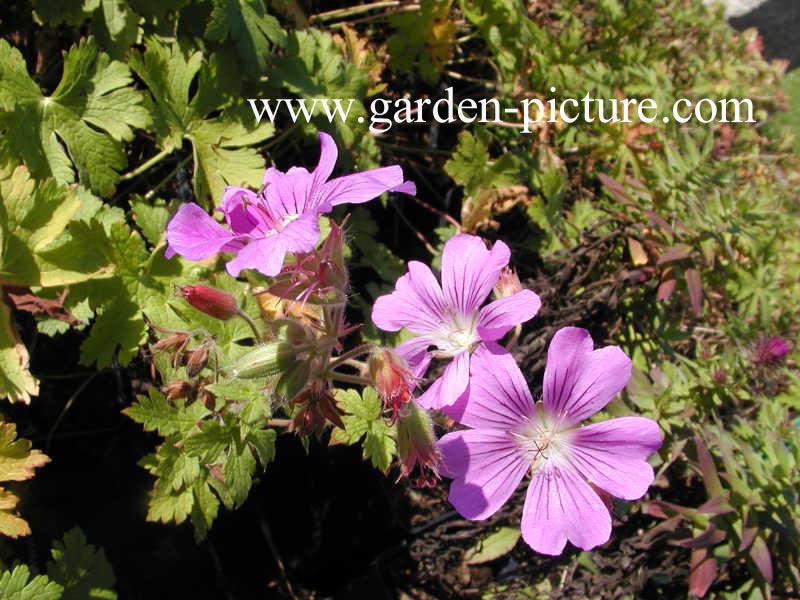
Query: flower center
[541,440]
[288,219]
[458,335]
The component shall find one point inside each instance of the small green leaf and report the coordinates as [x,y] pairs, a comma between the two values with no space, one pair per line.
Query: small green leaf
[17,584]
[363,420]
[249,25]
[494,546]
[155,413]
[82,570]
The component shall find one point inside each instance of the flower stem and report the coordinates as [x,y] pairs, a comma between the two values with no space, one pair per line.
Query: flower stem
[149,195]
[250,322]
[342,358]
[344,378]
[343,13]
[151,162]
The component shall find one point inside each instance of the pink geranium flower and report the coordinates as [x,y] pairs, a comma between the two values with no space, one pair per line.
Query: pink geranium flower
[511,436]
[449,317]
[281,218]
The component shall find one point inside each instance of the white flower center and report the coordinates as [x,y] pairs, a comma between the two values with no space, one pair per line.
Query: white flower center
[459,334]
[541,440]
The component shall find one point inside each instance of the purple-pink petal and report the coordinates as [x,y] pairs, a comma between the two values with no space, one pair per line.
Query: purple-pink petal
[195,235]
[613,454]
[469,270]
[487,467]
[264,255]
[288,194]
[447,390]
[416,304]
[498,317]
[561,506]
[416,354]
[579,381]
[239,207]
[361,187]
[301,234]
[498,394]
[328,153]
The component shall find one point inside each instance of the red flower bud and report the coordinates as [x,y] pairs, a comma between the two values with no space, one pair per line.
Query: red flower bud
[215,303]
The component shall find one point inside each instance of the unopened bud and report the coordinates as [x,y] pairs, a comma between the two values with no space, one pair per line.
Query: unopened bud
[416,447]
[213,302]
[333,272]
[391,377]
[265,360]
[508,283]
[293,380]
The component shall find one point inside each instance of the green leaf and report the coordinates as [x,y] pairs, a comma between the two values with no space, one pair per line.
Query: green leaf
[18,585]
[170,507]
[263,442]
[363,420]
[32,215]
[424,39]
[493,546]
[82,570]
[155,413]
[471,165]
[204,510]
[151,218]
[92,112]
[314,67]
[218,142]
[118,324]
[209,443]
[249,25]
[71,12]
[238,470]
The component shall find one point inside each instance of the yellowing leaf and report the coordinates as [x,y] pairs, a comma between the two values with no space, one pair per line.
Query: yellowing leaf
[17,460]
[16,382]
[638,254]
[17,463]
[11,525]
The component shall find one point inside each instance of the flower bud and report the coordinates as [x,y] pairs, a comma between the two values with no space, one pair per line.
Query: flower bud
[265,360]
[416,447]
[391,377]
[333,269]
[213,302]
[507,284]
[293,380]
